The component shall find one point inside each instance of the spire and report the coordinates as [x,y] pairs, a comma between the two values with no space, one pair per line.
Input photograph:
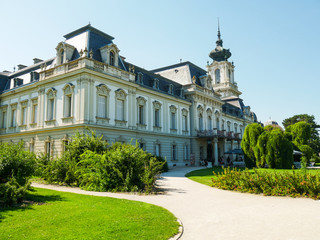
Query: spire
[219,53]
[219,41]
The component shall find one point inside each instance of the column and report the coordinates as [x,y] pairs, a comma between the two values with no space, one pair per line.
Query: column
[232,157]
[216,162]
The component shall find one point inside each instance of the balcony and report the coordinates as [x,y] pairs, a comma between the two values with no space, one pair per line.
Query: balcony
[219,134]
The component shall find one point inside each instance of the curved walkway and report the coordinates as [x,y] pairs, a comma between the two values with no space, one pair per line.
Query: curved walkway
[209,213]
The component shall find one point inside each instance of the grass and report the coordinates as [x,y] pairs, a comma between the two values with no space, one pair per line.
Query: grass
[205,176]
[58,215]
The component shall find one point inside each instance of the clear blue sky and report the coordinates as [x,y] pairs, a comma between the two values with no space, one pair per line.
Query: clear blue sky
[275,44]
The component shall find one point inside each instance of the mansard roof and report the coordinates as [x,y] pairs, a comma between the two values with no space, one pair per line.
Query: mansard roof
[90,29]
[148,78]
[194,70]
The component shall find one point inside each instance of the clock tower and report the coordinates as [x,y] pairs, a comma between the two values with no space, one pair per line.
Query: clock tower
[222,71]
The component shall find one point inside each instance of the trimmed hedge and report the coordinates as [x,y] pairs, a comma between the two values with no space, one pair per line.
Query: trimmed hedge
[294,184]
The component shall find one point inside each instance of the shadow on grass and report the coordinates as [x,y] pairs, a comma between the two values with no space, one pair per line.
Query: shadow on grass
[31,199]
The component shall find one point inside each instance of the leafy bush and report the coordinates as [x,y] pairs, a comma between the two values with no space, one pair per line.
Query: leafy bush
[276,184]
[16,167]
[279,150]
[122,168]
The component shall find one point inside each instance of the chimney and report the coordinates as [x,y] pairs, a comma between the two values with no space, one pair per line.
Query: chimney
[37,60]
[20,66]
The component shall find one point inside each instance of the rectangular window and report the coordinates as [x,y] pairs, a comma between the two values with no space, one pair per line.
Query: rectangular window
[48,149]
[67,106]
[102,106]
[174,152]
[120,109]
[31,147]
[157,150]
[13,118]
[34,113]
[200,123]
[141,114]
[4,119]
[50,109]
[157,117]
[209,124]
[185,123]
[173,120]
[186,152]
[24,116]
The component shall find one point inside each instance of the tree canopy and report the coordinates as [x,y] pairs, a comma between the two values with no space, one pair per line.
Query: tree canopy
[314,141]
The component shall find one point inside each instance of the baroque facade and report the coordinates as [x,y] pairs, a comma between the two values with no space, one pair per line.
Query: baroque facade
[180,112]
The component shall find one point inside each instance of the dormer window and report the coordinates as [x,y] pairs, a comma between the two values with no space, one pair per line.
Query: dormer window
[61,56]
[156,83]
[17,82]
[111,58]
[34,76]
[140,78]
[170,91]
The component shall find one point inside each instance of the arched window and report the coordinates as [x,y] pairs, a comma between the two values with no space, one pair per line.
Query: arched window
[51,97]
[218,124]
[111,58]
[217,75]
[68,100]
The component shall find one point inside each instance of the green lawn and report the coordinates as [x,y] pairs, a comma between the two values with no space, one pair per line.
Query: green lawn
[204,176]
[73,216]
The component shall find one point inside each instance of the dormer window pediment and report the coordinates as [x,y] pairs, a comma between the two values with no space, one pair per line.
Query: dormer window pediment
[110,54]
[64,52]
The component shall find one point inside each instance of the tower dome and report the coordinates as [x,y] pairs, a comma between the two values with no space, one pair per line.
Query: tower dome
[219,53]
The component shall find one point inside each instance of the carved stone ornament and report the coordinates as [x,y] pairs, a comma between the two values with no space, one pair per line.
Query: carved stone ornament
[141,100]
[103,90]
[173,109]
[194,79]
[24,103]
[200,109]
[68,88]
[51,93]
[121,94]
[209,111]
[184,112]
[157,104]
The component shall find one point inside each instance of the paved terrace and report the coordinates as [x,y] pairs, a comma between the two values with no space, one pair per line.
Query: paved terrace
[209,213]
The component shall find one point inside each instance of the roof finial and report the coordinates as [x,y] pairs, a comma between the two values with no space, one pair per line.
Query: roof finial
[219,41]
[219,35]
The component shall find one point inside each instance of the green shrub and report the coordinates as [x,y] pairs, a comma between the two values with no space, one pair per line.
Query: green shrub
[276,184]
[16,167]
[123,167]
[249,142]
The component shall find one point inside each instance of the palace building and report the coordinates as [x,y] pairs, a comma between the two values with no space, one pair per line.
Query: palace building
[181,112]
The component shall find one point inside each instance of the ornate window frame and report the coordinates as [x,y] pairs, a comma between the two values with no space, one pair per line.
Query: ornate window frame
[173,119]
[68,101]
[34,112]
[174,151]
[24,113]
[186,152]
[157,122]
[200,117]
[184,113]
[121,95]
[156,83]
[157,143]
[13,115]
[141,112]
[104,91]
[51,106]
[140,78]
[4,116]
[209,119]
[48,147]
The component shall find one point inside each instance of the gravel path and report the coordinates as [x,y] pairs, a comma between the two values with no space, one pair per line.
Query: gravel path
[209,213]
